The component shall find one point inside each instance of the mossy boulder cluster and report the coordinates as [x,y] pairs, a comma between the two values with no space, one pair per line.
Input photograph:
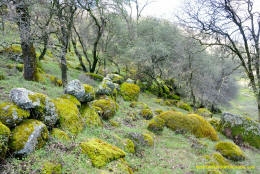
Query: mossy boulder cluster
[107,87]
[27,122]
[129,91]
[240,128]
[179,122]
[230,150]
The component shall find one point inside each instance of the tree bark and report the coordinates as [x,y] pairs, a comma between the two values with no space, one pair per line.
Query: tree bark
[29,55]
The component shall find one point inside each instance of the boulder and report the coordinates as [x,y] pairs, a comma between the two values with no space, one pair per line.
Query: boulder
[147,113]
[28,136]
[240,129]
[129,91]
[11,115]
[4,137]
[69,116]
[90,116]
[84,93]
[115,78]
[107,87]
[141,139]
[204,112]
[156,125]
[130,81]
[20,96]
[191,123]
[101,152]
[59,134]
[230,150]
[106,108]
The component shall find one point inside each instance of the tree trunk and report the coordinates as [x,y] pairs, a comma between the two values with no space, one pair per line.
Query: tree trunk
[78,55]
[258,106]
[63,65]
[29,55]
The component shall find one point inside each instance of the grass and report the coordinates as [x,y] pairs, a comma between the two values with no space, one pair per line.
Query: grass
[171,152]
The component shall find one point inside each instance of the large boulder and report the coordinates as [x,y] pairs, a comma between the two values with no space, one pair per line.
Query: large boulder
[240,129]
[84,93]
[129,91]
[11,115]
[106,108]
[4,137]
[230,150]
[28,136]
[101,152]
[191,123]
[41,106]
[69,116]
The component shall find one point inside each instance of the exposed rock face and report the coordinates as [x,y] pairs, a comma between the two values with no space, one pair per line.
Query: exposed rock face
[20,96]
[240,129]
[84,93]
[11,115]
[28,136]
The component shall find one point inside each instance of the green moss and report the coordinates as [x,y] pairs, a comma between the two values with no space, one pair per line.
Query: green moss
[59,134]
[158,111]
[116,78]
[184,106]
[14,49]
[19,67]
[129,91]
[4,137]
[192,123]
[204,112]
[10,66]
[230,150]
[148,139]
[119,166]
[156,125]
[215,122]
[51,168]
[22,134]
[11,115]
[147,113]
[54,80]
[2,75]
[101,152]
[90,116]
[70,119]
[94,76]
[90,92]
[133,104]
[106,108]
[129,146]
[72,98]
[114,123]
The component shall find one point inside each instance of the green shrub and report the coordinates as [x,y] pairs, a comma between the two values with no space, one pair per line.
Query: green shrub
[184,106]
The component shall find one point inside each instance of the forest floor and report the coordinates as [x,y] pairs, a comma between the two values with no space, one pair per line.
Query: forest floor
[171,152]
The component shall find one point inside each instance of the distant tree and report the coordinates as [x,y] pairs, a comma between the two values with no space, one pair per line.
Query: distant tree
[234,25]
[28,50]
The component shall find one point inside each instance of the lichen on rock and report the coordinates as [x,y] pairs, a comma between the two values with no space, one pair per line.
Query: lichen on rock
[230,150]
[28,136]
[4,137]
[129,91]
[90,116]
[20,96]
[11,115]
[101,152]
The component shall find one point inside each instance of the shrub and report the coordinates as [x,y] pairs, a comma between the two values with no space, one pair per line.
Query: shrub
[230,150]
[192,123]
[129,91]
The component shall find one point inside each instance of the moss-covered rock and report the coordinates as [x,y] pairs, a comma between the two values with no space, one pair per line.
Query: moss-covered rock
[129,91]
[60,134]
[158,111]
[129,146]
[4,137]
[119,166]
[28,136]
[72,98]
[234,126]
[89,93]
[192,123]
[20,96]
[116,78]
[69,116]
[184,106]
[156,125]
[216,159]
[94,76]
[51,168]
[101,152]
[230,150]
[215,122]
[19,67]
[90,116]
[106,108]
[147,113]
[204,112]
[107,87]
[11,115]
[141,139]
[44,109]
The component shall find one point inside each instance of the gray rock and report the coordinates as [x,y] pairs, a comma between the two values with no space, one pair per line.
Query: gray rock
[107,87]
[115,78]
[130,81]
[20,96]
